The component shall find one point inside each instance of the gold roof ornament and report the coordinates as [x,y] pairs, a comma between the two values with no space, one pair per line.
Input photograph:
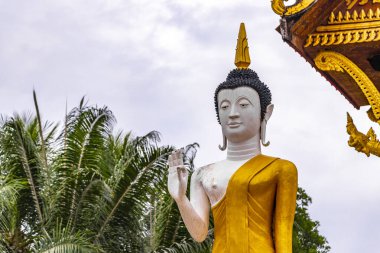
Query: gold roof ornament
[364,143]
[278,6]
[242,59]
[333,61]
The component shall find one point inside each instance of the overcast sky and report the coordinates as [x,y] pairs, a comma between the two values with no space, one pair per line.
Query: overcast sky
[156,65]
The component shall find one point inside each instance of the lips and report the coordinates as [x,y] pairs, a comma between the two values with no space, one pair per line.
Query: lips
[234,124]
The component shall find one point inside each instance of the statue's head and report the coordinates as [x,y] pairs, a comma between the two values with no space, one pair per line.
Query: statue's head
[244,78]
[243,102]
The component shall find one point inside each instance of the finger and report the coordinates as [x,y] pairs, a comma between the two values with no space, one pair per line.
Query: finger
[178,157]
[184,174]
[176,154]
[174,158]
[181,155]
[170,161]
[175,162]
[179,174]
[182,169]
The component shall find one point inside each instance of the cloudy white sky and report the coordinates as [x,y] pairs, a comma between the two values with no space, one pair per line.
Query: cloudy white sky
[157,63]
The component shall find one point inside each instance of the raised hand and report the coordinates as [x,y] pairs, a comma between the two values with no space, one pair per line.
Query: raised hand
[178,175]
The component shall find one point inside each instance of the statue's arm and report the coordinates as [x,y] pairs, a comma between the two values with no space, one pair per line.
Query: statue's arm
[195,212]
[286,197]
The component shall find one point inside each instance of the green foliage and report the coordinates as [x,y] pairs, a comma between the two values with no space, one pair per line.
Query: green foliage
[85,189]
[79,190]
[306,237]
[62,240]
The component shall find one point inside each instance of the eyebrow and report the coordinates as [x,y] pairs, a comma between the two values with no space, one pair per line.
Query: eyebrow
[238,98]
[243,97]
[224,100]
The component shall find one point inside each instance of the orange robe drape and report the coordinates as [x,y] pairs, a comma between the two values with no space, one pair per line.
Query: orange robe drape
[256,214]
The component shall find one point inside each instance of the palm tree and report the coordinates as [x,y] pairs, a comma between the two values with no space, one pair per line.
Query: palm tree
[82,190]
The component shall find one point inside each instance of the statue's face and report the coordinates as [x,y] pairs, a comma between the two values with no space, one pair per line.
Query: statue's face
[239,112]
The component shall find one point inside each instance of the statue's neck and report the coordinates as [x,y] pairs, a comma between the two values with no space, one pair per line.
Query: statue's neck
[243,150]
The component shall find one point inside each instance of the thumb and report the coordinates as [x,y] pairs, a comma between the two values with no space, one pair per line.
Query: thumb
[183,173]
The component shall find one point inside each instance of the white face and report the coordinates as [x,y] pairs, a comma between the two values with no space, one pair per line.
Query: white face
[239,113]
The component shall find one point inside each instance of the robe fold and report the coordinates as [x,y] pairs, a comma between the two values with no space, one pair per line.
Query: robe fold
[257,212]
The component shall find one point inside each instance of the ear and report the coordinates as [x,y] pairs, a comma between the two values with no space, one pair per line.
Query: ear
[268,112]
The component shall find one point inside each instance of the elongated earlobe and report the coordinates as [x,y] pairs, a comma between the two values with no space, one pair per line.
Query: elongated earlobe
[263,132]
[222,148]
[263,128]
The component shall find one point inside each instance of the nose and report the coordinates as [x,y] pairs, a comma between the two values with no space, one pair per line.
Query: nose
[233,113]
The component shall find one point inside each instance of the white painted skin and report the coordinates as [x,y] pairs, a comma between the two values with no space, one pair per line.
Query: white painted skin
[239,112]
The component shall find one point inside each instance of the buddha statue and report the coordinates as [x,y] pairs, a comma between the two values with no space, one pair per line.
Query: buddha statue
[252,196]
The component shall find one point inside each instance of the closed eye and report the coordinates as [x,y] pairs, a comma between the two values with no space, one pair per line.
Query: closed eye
[244,103]
[224,105]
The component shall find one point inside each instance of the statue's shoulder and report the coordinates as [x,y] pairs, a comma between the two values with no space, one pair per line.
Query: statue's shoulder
[285,163]
[286,167]
[279,162]
[200,172]
[281,165]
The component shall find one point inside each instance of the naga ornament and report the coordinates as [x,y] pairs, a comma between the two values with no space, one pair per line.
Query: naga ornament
[279,7]
[364,143]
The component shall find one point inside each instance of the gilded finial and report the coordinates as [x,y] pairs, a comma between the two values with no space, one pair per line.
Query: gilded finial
[242,59]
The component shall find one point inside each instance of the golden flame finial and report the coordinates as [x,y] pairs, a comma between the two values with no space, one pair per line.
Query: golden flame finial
[242,59]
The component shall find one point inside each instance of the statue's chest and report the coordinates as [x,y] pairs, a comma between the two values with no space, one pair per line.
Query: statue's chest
[215,181]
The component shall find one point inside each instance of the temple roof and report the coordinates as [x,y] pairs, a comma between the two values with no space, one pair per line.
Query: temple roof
[349,28]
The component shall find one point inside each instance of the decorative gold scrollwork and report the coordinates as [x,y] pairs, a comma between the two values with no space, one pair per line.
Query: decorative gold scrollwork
[351,3]
[345,37]
[347,28]
[354,17]
[364,143]
[279,7]
[333,61]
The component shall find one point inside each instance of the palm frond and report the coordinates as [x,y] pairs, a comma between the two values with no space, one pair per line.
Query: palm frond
[28,158]
[81,160]
[63,241]
[188,246]
[9,232]
[167,222]
[93,203]
[41,135]
[9,189]
[141,169]
[9,195]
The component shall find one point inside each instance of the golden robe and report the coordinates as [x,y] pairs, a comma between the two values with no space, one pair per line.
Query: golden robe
[257,212]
